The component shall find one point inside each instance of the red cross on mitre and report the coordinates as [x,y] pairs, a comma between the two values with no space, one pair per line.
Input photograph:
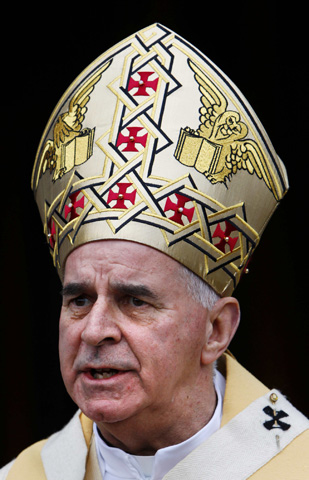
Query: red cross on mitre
[73,204]
[179,208]
[143,83]
[121,195]
[51,233]
[132,139]
[225,238]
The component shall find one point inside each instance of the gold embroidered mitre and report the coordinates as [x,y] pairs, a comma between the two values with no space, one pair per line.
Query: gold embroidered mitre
[153,143]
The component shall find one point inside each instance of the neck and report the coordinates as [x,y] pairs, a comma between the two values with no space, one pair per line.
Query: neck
[147,433]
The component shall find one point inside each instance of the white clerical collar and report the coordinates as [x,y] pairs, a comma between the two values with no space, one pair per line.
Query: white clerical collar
[116,464]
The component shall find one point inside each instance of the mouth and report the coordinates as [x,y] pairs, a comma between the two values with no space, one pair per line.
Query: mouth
[102,373]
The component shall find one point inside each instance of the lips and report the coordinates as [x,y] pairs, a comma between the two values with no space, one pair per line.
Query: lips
[96,373]
[101,373]
[100,369]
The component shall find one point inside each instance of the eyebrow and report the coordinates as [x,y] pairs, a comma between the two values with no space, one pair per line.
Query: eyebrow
[73,289]
[133,290]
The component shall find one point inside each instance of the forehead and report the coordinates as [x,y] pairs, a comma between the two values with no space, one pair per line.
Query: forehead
[119,257]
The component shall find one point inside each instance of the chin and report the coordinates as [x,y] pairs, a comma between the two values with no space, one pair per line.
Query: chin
[107,404]
[103,411]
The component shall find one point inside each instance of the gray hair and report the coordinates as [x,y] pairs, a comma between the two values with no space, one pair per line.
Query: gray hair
[199,289]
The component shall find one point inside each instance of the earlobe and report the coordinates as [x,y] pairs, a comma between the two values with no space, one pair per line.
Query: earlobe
[224,320]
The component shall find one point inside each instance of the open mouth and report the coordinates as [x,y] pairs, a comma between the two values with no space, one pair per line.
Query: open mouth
[101,373]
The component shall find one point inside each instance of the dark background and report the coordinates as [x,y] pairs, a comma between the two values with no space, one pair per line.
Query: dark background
[262,46]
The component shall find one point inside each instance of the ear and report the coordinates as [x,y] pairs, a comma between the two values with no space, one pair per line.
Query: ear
[223,322]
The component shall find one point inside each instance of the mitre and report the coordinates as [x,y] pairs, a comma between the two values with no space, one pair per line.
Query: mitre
[154,144]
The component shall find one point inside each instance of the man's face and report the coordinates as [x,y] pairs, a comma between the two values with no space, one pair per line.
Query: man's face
[130,335]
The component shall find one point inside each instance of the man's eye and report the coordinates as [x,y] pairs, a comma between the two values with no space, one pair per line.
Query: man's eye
[80,301]
[136,302]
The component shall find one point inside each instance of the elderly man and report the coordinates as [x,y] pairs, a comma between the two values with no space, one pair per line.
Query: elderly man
[135,356]
[154,181]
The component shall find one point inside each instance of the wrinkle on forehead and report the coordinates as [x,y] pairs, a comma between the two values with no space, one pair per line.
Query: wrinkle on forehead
[102,255]
[129,269]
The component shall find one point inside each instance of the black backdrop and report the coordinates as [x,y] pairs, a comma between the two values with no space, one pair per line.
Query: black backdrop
[262,46]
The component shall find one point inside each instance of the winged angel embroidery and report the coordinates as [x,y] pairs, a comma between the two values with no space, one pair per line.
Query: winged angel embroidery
[71,145]
[218,148]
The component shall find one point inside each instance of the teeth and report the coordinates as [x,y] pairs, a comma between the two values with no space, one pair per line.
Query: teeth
[100,374]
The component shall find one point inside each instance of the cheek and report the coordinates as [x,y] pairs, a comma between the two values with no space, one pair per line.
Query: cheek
[69,336]
[182,340]
[160,349]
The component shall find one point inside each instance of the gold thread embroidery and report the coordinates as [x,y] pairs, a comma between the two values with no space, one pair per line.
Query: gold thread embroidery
[218,149]
[71,145]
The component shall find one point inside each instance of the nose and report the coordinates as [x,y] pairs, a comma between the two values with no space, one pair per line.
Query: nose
[101,325]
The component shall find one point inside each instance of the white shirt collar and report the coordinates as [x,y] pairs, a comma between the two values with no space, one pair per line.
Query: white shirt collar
[116,464]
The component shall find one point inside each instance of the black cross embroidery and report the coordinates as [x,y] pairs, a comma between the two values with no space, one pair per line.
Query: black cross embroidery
[275,422]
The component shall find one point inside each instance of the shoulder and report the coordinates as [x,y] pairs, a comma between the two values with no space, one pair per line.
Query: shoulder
[4,470]
[289,464]
[272,427]
[52,454]
[28,460]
